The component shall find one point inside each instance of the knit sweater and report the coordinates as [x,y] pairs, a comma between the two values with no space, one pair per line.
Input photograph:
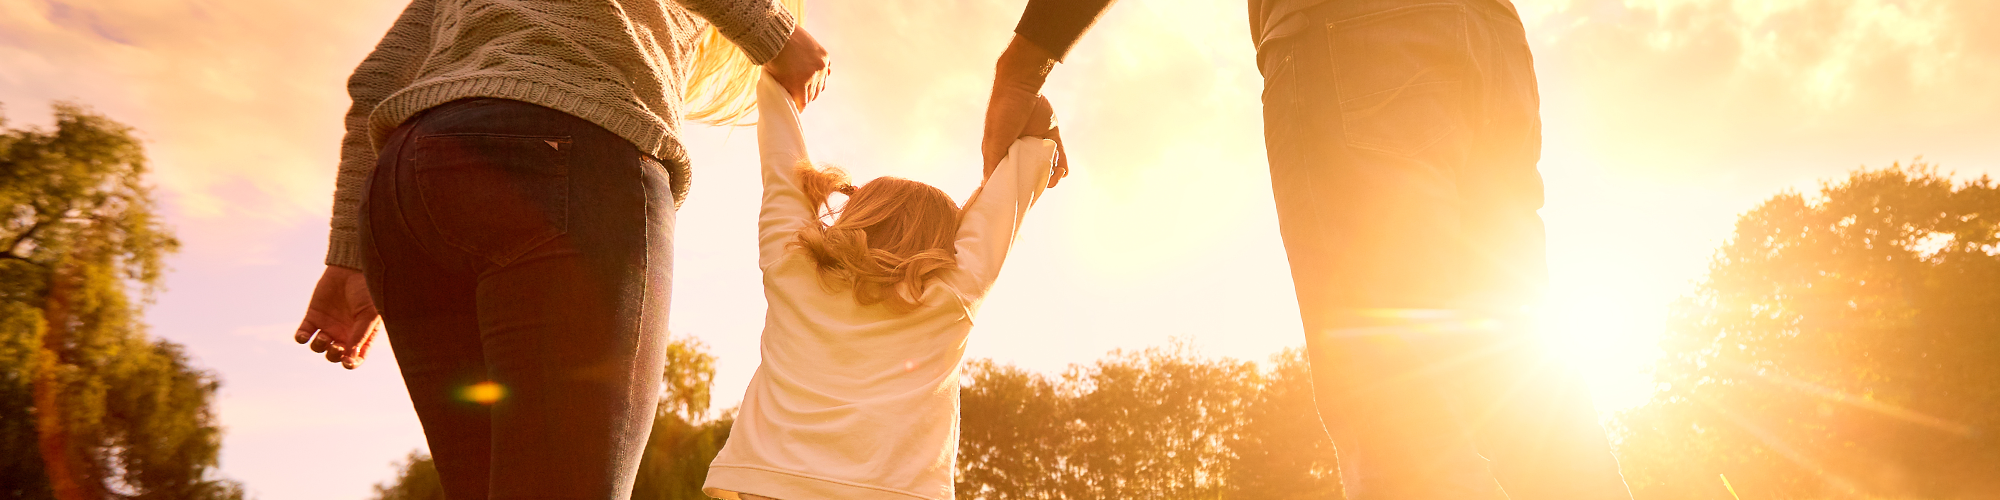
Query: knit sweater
[621,64]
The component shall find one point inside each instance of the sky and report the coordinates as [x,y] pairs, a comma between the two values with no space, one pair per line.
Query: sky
[1664,120]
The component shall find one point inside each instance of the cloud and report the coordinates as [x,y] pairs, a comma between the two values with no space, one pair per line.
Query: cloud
[1670,81]
[239,101]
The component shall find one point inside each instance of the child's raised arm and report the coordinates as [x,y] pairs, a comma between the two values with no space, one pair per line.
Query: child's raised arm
[781,147]
[993,216]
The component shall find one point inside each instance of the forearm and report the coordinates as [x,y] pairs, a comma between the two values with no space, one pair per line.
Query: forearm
[389,68]
[1056,25]
[759,27]
[1023,66]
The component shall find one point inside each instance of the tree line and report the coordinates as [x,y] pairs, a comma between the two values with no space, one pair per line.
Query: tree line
[1158,423]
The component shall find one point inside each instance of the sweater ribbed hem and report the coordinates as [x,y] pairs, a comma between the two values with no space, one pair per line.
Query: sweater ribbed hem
[766,38]
[730,481]
[651,134]
[343,250]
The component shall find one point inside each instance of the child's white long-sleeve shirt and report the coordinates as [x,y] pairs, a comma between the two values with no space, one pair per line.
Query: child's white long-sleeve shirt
[854,401]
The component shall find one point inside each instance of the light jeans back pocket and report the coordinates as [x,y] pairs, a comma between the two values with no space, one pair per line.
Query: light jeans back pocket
[1402,77]
[494,196]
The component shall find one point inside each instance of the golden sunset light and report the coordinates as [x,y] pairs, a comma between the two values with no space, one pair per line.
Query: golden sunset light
[1670,129]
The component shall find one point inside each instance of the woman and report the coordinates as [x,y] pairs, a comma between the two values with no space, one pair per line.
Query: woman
[506,199]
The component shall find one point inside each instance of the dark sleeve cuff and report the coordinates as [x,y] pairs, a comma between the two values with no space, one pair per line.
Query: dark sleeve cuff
[1055,25]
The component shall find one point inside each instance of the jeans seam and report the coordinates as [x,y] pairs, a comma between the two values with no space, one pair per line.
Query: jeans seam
[645,258]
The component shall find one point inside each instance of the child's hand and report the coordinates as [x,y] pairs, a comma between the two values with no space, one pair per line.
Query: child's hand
[1042,125]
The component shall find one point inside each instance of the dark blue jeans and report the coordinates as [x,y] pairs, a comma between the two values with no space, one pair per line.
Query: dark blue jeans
[1403,137]
[521,260]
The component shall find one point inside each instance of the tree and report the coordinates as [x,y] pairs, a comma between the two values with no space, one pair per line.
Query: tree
[416,479]
[684,439]
[90,407]
[1841,345]
[1282,452]
[1159,423]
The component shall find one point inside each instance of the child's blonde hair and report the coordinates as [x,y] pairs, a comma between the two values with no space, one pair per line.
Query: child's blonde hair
[722,83]
[888,242]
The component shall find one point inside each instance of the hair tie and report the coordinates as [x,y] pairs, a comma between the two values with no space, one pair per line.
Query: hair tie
[846,189]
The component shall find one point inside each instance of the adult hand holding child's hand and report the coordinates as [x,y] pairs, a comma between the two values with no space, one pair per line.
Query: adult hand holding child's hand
[1042,124]
[801,67]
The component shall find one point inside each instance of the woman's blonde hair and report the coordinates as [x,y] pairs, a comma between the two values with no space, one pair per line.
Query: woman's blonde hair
[887,243]
[722,82]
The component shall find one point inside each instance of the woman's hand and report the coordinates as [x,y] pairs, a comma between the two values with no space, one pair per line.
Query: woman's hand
[343,316]
[801,67]
[1042,125]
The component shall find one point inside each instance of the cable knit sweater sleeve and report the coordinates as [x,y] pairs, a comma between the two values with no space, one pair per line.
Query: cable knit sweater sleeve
[759,27]
[390,67]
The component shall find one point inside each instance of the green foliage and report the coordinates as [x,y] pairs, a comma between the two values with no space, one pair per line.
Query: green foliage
[677,455]
[1842,345]
[89,406]
[684,438]
[416,479]
[1152,424]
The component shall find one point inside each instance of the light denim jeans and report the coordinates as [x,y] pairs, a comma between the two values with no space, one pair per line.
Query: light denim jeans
[1403,137]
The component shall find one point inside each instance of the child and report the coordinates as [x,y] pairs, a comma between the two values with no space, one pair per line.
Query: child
[857,397]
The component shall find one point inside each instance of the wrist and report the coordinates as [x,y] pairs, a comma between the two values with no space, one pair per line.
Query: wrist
[1023,64]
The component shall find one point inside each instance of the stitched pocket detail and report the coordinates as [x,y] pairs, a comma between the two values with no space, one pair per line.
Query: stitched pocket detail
[1401,76]
[494,196]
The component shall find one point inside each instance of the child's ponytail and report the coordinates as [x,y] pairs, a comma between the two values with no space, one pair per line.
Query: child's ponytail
[820,184]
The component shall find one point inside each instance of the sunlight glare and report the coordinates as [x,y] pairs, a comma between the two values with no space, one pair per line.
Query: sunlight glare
[1608,339]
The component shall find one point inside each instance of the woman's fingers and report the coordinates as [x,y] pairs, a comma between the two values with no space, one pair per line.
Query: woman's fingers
[322,343]
[305,332]
[355,350]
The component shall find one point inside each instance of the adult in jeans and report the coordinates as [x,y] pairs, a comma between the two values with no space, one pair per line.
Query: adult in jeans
[1403,137]
[506,198]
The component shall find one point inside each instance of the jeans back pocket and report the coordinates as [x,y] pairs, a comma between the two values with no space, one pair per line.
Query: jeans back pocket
[1402,76]
[494,196]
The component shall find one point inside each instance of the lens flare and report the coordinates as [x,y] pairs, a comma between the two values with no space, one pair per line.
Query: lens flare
[485,393]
